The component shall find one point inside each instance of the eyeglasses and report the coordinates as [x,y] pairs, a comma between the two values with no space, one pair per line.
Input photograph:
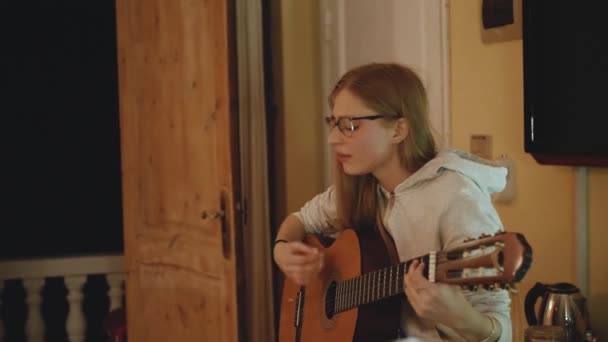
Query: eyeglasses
[346,125]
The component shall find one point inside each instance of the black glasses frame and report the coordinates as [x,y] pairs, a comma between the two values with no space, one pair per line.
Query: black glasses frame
[346,124]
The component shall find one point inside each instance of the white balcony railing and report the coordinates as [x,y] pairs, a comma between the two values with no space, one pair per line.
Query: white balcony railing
[74,270]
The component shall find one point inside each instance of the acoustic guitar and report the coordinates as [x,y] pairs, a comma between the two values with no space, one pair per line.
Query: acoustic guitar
[357,295]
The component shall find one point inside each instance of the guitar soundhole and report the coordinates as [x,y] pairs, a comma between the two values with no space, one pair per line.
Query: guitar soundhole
[330,300]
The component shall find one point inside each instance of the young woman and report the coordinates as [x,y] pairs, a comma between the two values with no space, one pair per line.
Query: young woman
[387,164]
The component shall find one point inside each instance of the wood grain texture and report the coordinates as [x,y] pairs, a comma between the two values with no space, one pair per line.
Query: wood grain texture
[178,151]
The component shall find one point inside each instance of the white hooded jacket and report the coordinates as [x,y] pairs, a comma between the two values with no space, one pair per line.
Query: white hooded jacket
[439,206]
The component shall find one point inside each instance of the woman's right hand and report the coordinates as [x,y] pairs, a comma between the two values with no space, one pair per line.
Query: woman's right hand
[298,261]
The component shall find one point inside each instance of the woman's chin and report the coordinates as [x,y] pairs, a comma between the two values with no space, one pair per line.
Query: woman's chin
[353,171]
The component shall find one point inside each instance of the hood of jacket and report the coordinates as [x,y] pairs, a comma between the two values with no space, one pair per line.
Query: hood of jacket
[489,176]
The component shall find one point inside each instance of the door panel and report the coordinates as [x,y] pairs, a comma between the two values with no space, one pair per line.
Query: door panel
[178,153]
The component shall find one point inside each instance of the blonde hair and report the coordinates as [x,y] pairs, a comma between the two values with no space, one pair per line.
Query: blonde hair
[396,91]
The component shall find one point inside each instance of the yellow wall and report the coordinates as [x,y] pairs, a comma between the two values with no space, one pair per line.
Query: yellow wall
[487,98]
[301,104]
[598,254]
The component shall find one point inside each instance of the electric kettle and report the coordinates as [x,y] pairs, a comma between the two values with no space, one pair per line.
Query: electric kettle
[562,304]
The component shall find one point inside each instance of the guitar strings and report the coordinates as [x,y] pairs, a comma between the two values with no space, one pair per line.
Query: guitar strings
[373,285]
[353,292]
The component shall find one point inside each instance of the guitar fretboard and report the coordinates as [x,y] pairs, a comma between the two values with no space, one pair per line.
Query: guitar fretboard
[373,286]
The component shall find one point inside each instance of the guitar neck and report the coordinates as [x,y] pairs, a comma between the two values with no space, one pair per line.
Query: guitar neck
[374,286]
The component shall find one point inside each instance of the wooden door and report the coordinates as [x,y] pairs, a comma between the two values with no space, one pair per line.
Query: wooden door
[179,169]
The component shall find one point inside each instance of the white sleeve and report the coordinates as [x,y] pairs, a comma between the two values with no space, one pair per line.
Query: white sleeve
[470,214]
[319,214]
[495,303]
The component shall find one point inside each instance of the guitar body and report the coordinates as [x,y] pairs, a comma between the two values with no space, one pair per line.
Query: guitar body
[350,255]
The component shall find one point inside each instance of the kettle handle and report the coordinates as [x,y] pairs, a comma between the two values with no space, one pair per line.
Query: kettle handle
[536,291]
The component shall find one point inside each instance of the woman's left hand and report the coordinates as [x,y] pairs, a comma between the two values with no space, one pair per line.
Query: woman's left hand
[440,303]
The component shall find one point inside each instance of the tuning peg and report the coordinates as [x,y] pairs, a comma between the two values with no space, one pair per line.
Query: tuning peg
[469,240]
[490,287]
[512,287]
[500,232]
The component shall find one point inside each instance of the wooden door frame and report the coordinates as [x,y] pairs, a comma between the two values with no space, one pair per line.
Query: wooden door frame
[256,301]
[238,199]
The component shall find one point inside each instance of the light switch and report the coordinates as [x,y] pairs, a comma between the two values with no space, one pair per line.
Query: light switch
[481,145]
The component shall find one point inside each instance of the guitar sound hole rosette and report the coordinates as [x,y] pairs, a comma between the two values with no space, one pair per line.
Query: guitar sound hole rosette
[328,319]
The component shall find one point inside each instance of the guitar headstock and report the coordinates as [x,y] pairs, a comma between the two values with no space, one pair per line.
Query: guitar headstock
[489,261]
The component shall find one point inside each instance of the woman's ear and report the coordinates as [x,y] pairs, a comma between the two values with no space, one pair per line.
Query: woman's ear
[402,130]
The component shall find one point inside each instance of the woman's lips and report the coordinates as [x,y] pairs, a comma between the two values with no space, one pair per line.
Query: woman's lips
[342,157]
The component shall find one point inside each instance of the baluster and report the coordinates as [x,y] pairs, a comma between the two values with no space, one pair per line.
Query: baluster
[1,317]
[75,323]
[34,325]
[115,291]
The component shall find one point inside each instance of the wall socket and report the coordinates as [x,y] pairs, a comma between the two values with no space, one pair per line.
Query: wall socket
[481,145]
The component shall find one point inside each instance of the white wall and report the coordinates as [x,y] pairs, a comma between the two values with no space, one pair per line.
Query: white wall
[411,32]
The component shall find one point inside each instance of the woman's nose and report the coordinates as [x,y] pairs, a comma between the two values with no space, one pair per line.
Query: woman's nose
[334,137]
